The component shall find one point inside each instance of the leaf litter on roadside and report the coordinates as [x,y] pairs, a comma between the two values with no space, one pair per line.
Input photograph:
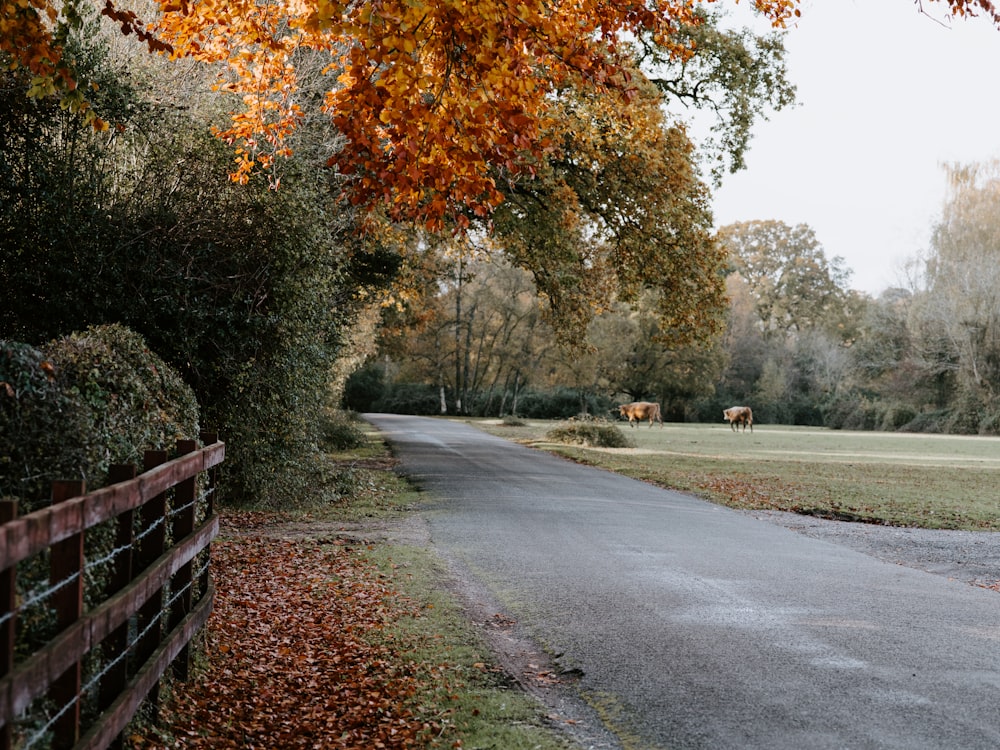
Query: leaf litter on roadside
[297,658]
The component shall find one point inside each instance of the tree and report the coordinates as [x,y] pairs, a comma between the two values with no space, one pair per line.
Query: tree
[732,74]
[792,317]
[432,96]
[622,210]
[745,346]
[633,357]
[442,111]
[440,101]
[794,286]
[882,362]
[956,318]
[481,338]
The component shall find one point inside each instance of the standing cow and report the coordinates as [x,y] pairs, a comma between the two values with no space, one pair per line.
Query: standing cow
[639,410]
[739,415]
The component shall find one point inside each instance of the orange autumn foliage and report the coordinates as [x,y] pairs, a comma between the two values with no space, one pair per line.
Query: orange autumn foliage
[439,100]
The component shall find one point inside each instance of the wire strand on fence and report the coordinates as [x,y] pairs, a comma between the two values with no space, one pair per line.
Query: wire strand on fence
[94,681]
[40,733]
[34,598]
[200,498]
[39,595]
[91,564]
[147,531]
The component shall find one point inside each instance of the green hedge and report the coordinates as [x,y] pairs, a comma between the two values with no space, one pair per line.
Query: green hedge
[45,433]
[560,403]
[81,403]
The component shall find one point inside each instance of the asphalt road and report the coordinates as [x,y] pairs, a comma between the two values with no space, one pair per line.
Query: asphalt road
[693,626]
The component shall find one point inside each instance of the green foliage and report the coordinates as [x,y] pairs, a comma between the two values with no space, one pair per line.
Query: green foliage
[57,213]
[244,290]
[593,433]
[45,433]
[736,74]
[340,431]
[137,400]
[619,211]
[364,388]
[793,285]
[84,402]
[410,398]
[560,403]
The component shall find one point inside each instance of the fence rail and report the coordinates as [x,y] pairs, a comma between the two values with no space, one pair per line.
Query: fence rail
[155,595]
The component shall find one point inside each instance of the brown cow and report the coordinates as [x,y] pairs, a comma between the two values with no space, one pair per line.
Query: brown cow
[739,415]
[639,410]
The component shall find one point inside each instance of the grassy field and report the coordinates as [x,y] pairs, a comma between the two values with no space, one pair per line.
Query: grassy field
[901,479]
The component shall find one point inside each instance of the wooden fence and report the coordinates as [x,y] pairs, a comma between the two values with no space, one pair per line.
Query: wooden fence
[81,687]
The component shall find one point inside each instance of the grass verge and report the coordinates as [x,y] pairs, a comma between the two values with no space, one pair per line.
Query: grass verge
[475,700]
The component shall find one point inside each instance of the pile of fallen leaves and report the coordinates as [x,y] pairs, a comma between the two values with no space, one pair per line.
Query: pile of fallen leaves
[295,657]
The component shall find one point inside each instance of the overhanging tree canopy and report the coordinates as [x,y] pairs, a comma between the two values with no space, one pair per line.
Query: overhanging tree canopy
[439,100]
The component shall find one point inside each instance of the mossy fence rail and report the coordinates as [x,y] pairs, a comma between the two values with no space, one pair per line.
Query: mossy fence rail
[81,685]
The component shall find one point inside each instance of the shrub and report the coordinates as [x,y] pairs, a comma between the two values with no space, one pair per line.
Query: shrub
[340,431]
[590,432]
[931,422]
[837,410]
[82,403]
[364,388]
[805,412]
[560,403]
[897,416]
[410,398]
[990,424]
[136,400]
[45,434]
[966,413]
[853,412]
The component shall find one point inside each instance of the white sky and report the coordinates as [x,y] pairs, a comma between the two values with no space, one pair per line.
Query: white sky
[886,95]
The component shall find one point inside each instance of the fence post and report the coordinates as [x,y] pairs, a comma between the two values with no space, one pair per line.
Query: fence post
[153,544]
[67,566]
[183,524]
[209,438]
[8,613]
[115,646]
